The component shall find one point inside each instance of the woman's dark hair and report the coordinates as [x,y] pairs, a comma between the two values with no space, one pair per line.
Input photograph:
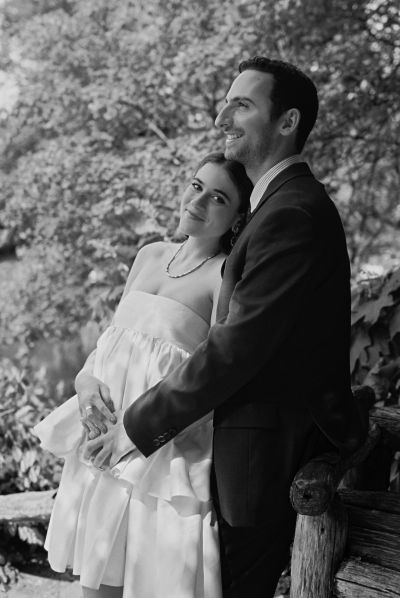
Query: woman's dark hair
[239,178]
[292,89]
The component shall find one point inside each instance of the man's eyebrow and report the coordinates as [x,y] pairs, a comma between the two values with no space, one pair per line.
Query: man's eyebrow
[237,98]
[196,178]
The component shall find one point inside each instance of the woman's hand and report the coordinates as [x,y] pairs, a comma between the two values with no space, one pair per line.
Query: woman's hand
[95,404]
[108,449]
[98,451]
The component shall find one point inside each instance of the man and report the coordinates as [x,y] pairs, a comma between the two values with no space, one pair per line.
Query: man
[275,365]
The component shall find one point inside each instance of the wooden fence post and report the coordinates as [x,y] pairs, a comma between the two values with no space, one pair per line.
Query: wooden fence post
[317,551]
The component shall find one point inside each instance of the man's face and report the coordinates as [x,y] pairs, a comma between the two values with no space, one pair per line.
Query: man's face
[251,136]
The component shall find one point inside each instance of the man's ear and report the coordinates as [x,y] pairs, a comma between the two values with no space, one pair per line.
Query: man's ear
[290,121]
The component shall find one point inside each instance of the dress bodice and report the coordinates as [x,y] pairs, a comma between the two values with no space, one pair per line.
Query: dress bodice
[163,318]
[149,337]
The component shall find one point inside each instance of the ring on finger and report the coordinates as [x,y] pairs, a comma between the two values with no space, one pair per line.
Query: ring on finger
[89,409]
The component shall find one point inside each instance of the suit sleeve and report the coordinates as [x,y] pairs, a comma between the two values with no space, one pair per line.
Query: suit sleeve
[276,279]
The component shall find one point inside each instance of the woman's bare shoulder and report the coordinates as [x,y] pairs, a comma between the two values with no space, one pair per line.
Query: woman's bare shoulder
[216,272]
[218,263]
[154,250]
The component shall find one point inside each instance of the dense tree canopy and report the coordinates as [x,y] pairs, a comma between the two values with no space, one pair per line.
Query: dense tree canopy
[116,104]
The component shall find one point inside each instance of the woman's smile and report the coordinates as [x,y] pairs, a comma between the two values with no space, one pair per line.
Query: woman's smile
[195,215]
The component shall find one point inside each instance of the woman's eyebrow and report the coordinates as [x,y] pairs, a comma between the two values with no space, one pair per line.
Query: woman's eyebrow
[196,178]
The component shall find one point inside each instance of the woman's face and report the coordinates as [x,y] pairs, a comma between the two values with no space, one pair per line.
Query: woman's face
[210,204]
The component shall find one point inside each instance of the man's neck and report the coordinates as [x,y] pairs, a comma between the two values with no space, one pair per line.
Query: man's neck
[268,176]
[255,173]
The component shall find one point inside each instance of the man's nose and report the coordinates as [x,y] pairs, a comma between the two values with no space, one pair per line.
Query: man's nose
[223,117]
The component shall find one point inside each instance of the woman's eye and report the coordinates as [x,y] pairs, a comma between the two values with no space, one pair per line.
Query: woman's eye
[218,199]
[196,186]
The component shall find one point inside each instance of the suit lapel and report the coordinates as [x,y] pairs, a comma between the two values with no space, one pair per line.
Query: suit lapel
[299,169]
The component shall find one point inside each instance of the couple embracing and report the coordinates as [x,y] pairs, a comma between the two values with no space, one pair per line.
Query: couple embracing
[205,395]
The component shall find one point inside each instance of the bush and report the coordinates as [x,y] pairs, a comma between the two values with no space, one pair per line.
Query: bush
[25,399]
[375,348]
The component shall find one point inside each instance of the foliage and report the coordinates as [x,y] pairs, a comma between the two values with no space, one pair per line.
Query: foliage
[375,345]
[116,104]
[25,399]
[375,348]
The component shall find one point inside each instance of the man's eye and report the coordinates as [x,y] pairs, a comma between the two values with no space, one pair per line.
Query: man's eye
[243,105]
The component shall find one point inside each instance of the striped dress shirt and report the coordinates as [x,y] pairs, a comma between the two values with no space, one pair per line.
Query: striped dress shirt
[261,185]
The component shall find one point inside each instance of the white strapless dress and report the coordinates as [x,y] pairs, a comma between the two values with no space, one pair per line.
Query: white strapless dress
[146,524]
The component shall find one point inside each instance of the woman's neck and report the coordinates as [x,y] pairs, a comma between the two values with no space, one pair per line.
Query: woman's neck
[200,248]
[197,249]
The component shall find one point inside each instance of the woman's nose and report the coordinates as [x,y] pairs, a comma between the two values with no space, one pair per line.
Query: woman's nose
[200,199]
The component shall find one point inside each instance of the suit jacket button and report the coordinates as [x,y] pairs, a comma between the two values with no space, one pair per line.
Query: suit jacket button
[156,442]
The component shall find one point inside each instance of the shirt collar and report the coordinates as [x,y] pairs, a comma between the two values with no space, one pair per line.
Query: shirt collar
[261,185]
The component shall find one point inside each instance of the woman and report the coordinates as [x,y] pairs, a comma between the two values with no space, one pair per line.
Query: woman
[144,528]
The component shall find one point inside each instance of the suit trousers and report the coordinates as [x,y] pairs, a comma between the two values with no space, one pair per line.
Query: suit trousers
[253,558]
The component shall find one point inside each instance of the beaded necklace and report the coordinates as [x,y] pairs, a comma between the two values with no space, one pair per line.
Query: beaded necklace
[171,261]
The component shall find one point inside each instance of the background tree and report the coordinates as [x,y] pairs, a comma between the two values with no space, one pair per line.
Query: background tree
[116,103]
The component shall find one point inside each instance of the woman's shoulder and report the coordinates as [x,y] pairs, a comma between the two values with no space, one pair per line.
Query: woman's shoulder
[154,250]
[216,271]
[219,261]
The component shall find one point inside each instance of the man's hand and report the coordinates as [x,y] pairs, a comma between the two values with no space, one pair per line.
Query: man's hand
[95,404]
[106,450]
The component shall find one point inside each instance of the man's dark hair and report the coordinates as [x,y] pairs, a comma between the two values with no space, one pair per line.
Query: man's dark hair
[292,89]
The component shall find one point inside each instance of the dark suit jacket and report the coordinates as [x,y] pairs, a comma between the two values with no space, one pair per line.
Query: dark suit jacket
[275,366]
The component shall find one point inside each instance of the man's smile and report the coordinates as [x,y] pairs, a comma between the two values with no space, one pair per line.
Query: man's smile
[231,137]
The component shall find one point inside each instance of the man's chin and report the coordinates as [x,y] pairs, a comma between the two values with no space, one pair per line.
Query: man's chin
[231,153]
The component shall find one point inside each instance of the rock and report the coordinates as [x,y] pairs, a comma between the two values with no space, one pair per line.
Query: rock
[26,508]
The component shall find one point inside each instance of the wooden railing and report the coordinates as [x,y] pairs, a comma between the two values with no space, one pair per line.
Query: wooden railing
[347,541]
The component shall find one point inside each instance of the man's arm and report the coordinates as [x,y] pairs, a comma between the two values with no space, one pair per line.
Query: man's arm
[276,280]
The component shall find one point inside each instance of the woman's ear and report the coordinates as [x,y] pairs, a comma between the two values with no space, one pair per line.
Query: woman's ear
[238,223]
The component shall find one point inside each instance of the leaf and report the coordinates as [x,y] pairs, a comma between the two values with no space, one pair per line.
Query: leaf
[16,453]
[360,341]
[393,282]
[28,459]
[31,535]
[371,310]
[23,412]
[394,322]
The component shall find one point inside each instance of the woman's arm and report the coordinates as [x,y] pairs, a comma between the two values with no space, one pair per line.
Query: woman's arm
[95,403]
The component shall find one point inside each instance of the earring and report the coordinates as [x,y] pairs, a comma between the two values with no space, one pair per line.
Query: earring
[237,229]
